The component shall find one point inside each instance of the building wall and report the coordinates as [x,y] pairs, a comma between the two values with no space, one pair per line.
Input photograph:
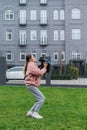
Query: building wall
[68,45]
[76,45]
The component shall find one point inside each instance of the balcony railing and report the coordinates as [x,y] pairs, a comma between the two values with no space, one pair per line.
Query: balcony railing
[43,41]
[22,42]
[23,21]
[43,21]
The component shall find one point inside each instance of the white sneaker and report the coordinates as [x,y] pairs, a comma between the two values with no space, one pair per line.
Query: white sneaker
[30,113]
[36,115]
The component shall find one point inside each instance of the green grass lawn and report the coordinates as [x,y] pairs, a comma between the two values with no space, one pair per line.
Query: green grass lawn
[64,109]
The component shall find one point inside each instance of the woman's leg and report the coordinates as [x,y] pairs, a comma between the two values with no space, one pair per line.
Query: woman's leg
[39,98]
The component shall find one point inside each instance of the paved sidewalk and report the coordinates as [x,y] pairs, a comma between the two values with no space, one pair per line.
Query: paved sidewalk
[78,82]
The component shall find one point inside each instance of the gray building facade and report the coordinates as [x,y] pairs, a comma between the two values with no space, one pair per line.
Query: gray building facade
[55,28]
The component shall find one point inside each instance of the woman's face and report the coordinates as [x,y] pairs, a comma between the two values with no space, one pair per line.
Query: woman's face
[33,59]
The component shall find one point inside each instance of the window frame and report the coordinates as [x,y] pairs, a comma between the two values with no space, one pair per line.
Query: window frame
[22,53]
[55,14]
[76,34]
[62,14]
[43,37]
[62,35]
[7,35]
[56,53]
[56,35]
[23,19]
[22,1]
[22,37]
[76,13]
[33,35]
[8,53]
[43,16]
[43,1]
[75,55]
[33,15]
[9,12]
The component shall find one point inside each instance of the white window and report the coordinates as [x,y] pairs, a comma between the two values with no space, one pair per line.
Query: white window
[62,15]
[63,56]
[76,34]
[43,54]
[43,37]
[55,35]
[22,1]
[62,35]
[8,35]
[34,54]
[56,56]
[43,1]
[55,14]
[43,17]
[33,15]
[75,14]
[9,15]
[33,35]
[22,37]
[76,55]
[22,16]
[22,56]
[9,56]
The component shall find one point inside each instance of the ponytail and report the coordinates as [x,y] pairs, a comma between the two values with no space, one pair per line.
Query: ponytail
[28,57]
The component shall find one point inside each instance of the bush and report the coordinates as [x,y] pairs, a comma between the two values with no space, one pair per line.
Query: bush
[73,72]
[60,77]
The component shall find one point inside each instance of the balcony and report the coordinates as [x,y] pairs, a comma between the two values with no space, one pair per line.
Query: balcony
[43,21]
[22,42]
[43,41]
[22,22]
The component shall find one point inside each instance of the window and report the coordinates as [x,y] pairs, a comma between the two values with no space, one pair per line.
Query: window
[34,53]
[8,35]
[76,55]
[22,17]
[22,56]
[62,35]
[43,1]
[75,14]
[61,14]
[55,35]
[55,15]
[33,15]
[9,56]
[76,34]
[9,15]
[43,54]
[56,56]
[22,1]
[22,37]
[63,56]
[33,35]
[43,17]
[43,37]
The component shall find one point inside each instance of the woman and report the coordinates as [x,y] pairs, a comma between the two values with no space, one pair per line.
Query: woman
[32,79]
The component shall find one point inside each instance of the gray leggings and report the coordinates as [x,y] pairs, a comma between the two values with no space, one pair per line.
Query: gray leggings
[39,98]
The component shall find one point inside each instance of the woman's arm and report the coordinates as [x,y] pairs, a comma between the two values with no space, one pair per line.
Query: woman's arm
[36,71]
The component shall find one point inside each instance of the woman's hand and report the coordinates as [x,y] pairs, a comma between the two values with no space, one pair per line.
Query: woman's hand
[45,65]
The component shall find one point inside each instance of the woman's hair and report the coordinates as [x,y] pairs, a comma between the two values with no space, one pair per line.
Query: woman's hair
[28,57]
